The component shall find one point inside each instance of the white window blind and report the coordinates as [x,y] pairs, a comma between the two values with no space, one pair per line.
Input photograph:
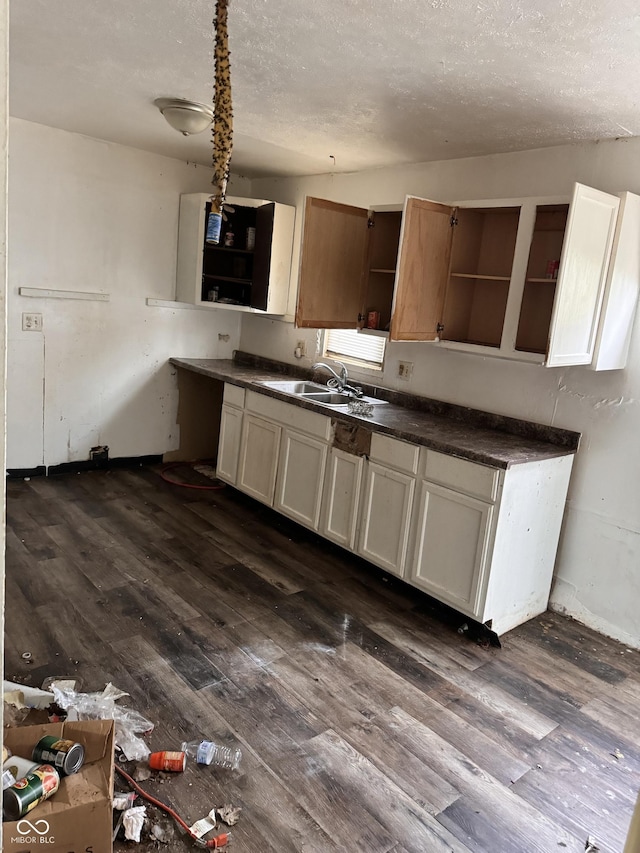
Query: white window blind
[355,347]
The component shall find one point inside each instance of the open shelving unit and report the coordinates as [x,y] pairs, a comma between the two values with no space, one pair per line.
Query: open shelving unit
[539,290]
[482,256]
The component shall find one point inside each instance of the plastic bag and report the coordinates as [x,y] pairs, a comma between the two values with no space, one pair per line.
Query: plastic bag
[129,724]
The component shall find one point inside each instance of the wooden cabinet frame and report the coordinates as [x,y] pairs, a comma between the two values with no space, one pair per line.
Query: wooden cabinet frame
[335,265]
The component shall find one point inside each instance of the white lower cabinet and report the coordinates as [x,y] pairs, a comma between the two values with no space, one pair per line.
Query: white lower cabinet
[258,458]
[341,498]
[387,503]
[385,517]
[479,538]
[301,477]
[229,444]
[451,556]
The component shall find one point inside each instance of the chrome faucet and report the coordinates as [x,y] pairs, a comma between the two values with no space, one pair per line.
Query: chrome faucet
[339,382]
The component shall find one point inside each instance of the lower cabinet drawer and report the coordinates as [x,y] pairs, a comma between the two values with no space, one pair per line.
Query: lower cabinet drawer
[460,474]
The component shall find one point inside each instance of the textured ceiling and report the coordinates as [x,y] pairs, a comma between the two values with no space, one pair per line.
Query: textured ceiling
[368,82]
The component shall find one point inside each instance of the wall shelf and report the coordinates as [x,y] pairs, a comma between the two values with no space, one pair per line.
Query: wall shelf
[47,293]
[483,277]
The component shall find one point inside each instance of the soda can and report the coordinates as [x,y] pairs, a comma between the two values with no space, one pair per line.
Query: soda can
[173,761]
[67,756]
[27,793]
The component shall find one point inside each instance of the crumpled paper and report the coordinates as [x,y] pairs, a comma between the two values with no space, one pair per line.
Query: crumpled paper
[133,820]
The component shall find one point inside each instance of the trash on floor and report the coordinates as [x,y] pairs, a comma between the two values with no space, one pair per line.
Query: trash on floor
[617,754]
[590,845]
[208,752]
[141,773]
[121,802]
[129,724]
[23,696]
[133,820]
[173,762]
[205,824]
[229,814]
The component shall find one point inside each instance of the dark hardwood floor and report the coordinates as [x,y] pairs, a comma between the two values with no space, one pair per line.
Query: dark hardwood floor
[368,724]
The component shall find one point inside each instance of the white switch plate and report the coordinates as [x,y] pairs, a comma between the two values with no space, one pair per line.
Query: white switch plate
[405,369]
[32,322]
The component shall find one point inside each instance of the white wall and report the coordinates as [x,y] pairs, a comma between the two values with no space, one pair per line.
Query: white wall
[598,568]
[94,216]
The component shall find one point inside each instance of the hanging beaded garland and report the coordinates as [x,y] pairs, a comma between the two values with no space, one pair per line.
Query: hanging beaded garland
[222,121]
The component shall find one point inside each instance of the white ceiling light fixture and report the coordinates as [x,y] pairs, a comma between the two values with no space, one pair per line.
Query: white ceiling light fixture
[187,117]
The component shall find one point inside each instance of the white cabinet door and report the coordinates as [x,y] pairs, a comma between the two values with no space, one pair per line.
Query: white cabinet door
[341,497]
[301,477]
[581,279]
[258,458]
[229,444]
[385,517]
[452,546]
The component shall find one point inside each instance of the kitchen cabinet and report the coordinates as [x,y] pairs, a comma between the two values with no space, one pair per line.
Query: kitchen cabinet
[341,499]
[301,477]
[237,273]
[282,456]
[524,279]
[387,502]
[259,458]
[229,444]
[484,540]
[478,538]
[230,434]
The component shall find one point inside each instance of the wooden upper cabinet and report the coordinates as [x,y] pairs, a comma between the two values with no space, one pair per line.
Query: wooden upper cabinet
[423,270]
[334,254]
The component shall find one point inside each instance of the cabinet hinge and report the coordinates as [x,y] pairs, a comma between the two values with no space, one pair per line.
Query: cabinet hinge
[439,327]
[453,221]
[370,223]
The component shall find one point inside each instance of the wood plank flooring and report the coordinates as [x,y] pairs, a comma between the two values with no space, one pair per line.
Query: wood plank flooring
[367,723]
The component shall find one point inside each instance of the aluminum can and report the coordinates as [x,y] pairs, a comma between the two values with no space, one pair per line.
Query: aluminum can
[173,761]
[67,756]
[27,793]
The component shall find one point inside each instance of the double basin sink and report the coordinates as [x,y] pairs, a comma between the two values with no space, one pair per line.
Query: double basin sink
[317,393]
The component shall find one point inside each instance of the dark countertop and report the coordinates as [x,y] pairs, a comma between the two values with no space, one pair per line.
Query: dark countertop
[471,434]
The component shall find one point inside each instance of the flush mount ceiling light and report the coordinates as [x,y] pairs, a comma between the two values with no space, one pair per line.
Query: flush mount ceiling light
[186,117]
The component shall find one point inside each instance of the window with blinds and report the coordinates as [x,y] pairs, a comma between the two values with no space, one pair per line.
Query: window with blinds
[354,347]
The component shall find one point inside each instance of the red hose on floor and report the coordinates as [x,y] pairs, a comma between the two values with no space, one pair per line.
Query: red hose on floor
[212,844]
[172,465]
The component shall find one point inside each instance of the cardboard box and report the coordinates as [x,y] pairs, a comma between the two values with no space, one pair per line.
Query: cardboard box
[78,818]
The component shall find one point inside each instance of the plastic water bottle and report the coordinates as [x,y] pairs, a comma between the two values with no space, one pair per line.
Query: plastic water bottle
[208,752]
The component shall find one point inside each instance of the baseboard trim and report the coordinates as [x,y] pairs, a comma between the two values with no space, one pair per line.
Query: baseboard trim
[21,473]
[99,465]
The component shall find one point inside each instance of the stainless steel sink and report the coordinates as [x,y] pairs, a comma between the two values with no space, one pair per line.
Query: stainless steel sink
[315,392]
[334,399]
[289,386]
[330,398]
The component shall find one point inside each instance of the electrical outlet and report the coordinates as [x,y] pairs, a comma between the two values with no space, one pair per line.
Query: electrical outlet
[32,322]
[405,369]
[301,349]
